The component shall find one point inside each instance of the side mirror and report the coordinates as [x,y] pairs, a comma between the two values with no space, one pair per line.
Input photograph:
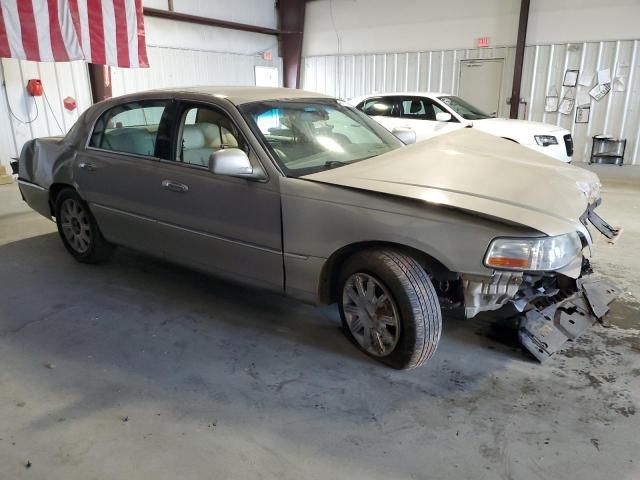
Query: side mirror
[405,135]
[230,161]
[443,116]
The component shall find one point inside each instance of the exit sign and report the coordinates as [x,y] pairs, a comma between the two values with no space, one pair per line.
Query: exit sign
[482,42]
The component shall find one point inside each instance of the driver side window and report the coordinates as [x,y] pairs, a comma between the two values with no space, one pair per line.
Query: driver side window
[420,108]
[203,131]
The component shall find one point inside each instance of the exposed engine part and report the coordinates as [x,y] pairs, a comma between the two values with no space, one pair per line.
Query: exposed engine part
[483,293]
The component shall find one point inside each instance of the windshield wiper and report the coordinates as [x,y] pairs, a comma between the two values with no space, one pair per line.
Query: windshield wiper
[334,164]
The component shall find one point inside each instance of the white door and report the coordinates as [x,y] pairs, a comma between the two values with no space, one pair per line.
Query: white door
[480,83]
[414,112]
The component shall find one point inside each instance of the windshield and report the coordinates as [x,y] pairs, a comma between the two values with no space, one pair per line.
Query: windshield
[311,136]
[464,109]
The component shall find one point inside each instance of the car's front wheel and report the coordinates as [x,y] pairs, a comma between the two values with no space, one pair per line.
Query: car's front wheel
[78,229]
[389,307]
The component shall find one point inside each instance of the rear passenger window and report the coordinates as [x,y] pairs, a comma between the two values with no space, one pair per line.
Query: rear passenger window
[381,107]
[130,128]
[205,130]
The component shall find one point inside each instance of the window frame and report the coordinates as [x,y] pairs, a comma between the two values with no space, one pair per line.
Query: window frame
[182,104]
[393,100]
[375,126]
[426,100]
[182,108]
[164,121]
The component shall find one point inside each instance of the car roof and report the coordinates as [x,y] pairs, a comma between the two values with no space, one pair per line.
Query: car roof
[409,94]
[400,94]
[240,95]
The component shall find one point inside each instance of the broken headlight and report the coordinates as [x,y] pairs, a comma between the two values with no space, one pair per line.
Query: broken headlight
[533,254]
[545,140]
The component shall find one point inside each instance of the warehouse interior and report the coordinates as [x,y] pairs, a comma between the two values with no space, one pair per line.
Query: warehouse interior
[139,368]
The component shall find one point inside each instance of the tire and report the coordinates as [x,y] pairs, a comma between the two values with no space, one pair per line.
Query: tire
[416,331]
[78,229]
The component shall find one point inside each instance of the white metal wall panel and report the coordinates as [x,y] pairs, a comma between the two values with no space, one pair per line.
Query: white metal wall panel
[349,76]
[33,117]
[618,114]
[173,67]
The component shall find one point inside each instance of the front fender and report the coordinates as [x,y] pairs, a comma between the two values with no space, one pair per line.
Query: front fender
[320,219]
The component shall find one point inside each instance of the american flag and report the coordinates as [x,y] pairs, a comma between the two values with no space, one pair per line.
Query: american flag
[106,32]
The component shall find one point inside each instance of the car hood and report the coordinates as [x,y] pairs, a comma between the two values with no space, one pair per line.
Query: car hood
[478,173]
[520,130]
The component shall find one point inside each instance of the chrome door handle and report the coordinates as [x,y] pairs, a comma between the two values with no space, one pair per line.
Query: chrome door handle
[174,186]
[87,166]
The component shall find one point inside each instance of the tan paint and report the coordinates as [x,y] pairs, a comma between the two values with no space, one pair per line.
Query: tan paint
[479,173]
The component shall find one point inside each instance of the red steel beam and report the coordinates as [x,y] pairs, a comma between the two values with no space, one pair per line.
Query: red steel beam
[100,80]
[212,22]
[291,23]
[517,72]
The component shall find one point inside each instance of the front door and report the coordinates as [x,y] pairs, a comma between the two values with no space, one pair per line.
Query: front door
[226,225]
[480,83]
[415,112]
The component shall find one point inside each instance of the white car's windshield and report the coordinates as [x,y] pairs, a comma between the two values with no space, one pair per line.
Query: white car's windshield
[310,136]
[464,109]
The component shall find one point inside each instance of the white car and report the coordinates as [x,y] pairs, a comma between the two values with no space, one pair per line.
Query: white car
[431,114]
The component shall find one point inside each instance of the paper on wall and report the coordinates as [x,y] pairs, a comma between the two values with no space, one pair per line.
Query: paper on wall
[604,76]
[600,91]
[586,79]
[618,85]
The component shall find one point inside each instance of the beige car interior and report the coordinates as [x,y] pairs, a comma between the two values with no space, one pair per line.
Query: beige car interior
[138,140]
[203,134]
[200,140]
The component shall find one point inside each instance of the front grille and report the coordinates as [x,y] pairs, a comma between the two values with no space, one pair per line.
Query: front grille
[568,143]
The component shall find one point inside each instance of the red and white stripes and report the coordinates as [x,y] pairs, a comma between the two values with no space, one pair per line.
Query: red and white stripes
[107,32]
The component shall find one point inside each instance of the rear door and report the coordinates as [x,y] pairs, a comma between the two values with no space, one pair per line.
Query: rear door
[114,171]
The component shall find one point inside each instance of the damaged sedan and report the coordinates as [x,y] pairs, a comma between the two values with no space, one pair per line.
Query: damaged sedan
[297,193]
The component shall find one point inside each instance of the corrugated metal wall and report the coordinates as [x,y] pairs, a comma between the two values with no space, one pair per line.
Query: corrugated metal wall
[27,117]
[173,67]
[618,114]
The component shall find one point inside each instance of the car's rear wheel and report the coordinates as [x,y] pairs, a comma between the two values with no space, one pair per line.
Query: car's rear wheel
[78,229]
[389,307]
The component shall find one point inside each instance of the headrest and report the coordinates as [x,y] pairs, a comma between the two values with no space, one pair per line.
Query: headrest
[416,106]
[212,133]
[192,137]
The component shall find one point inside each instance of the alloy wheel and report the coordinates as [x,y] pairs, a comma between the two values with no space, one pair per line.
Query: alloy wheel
[75,225]
[371,314]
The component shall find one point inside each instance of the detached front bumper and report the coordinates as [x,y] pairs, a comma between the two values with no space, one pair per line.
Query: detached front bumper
[554,320]
[555,306]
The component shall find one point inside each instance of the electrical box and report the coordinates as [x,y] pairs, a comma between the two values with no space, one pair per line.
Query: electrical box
[34,87]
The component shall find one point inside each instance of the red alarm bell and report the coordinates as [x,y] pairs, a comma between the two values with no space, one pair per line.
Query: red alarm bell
[34,87]
[70,103]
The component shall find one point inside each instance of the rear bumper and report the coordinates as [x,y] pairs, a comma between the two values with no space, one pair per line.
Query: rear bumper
[36,197]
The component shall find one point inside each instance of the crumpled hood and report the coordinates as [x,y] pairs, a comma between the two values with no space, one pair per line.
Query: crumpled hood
[478,173]
[521,130]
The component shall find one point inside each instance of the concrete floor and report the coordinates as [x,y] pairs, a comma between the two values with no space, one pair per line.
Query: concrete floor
[137,369]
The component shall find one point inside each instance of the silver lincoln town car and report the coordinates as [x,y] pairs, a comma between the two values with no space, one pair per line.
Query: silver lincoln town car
[296,192]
